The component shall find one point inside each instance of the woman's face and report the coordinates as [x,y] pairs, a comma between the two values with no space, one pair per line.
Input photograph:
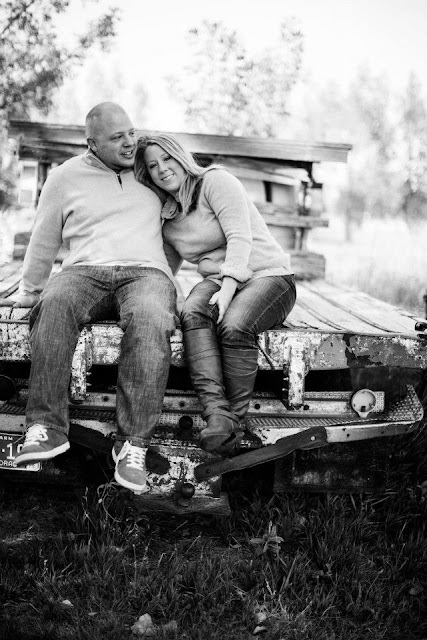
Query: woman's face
[165,171]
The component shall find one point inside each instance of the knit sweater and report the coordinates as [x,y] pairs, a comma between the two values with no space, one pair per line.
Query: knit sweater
[225,235]
[101,217]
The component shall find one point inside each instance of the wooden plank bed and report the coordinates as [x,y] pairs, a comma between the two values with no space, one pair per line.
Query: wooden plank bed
[320,306]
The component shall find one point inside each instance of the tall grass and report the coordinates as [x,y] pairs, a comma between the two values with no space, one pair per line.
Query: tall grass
[385,258]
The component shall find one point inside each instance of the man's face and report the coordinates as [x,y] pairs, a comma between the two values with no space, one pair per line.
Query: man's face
[113,140]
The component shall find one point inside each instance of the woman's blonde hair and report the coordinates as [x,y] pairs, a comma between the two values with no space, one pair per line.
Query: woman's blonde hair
[190,187]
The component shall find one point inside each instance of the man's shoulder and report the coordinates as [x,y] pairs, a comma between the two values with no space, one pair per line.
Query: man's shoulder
[68,166]
[141,188]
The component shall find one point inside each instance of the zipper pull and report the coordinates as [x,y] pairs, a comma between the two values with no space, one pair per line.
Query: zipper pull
[119,178]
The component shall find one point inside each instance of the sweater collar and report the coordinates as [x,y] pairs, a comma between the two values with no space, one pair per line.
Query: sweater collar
[90,158]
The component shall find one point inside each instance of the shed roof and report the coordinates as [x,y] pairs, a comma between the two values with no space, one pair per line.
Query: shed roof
[56,142]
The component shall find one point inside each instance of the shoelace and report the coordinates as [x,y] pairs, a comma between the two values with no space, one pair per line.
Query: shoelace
[36,433]
[136,455]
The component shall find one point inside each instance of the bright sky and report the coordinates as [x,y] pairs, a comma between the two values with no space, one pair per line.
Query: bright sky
[340,36]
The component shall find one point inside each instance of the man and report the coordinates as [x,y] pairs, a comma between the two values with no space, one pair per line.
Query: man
[115,264]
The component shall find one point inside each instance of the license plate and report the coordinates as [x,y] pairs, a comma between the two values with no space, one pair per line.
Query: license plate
[10,446]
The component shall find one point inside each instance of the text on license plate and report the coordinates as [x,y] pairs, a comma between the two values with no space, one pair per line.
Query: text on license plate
[10,445]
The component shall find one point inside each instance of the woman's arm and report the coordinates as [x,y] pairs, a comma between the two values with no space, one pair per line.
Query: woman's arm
[227,198]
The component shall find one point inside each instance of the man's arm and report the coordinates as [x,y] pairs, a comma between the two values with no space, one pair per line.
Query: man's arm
[172,256]
[45,241]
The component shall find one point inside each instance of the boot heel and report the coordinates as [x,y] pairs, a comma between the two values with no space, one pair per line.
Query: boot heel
[221,443]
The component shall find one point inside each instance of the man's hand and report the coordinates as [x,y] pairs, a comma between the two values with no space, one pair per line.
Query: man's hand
[26,300]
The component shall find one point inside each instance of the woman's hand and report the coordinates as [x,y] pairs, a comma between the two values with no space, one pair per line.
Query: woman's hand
[224,296]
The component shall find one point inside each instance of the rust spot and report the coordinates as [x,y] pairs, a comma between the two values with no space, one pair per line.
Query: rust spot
[157,463]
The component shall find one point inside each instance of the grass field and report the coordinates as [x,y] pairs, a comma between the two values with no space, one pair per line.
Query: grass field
[386,259]
[78,564]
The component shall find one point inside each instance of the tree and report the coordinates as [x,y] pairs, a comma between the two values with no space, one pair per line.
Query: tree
[226,91]
[414,129]
[33,64]
[374,103]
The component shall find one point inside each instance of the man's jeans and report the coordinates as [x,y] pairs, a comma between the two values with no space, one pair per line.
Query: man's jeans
[260,305]
[143,300]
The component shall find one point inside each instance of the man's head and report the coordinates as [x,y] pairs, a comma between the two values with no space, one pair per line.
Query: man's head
[111,136]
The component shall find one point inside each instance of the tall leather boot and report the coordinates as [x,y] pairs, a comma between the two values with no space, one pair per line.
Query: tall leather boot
[203,358]
[239,372]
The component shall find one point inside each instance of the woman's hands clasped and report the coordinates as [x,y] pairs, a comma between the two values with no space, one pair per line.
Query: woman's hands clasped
[224,296]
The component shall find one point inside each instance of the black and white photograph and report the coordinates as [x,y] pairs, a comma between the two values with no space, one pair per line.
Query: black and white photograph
[213,320]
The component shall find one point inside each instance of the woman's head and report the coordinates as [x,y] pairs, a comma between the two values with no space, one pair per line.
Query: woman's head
[164,165]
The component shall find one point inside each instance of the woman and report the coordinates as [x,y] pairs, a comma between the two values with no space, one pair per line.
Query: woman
[247,285]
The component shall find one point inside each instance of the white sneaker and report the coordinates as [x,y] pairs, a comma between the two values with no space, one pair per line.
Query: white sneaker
[130,469]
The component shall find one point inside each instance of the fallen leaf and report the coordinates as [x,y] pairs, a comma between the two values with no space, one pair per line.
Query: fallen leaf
[260,617]
[144,626]
[259,629]
[67,603]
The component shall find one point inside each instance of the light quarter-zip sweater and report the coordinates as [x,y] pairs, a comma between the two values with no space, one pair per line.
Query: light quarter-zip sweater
[225,235]
[100,217]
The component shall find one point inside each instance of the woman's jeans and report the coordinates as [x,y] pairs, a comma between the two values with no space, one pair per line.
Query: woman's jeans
[260,305]
[223,356]
[143,299]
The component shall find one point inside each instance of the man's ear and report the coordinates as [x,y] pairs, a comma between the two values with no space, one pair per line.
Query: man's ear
[92,144]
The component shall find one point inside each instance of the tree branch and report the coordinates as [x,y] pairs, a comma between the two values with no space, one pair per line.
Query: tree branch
[19,11]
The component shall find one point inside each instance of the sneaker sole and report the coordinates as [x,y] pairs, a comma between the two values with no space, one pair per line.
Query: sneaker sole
[136,488]
[25,458]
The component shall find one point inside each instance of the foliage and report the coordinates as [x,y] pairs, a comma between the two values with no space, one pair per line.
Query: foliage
[33,63]
[227,91]
[387,169]
[100,79]
[414,129]
[7,174]
[372,100]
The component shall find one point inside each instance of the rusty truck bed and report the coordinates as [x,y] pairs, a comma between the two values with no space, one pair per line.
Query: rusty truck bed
[331,330]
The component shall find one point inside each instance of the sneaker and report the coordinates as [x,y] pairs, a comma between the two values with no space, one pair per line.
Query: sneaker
[41,443]
[130,467]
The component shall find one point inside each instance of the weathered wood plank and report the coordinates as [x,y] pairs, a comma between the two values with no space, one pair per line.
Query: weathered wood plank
[9,269]
[304,318]
[279,216]
[307,265]
[326,311]
[378,314]
[263,170]
[55,135]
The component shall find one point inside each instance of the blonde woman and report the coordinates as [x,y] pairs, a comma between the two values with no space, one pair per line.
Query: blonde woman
[247,287]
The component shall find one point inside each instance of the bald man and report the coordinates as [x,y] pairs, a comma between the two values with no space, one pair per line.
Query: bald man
[115,266]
